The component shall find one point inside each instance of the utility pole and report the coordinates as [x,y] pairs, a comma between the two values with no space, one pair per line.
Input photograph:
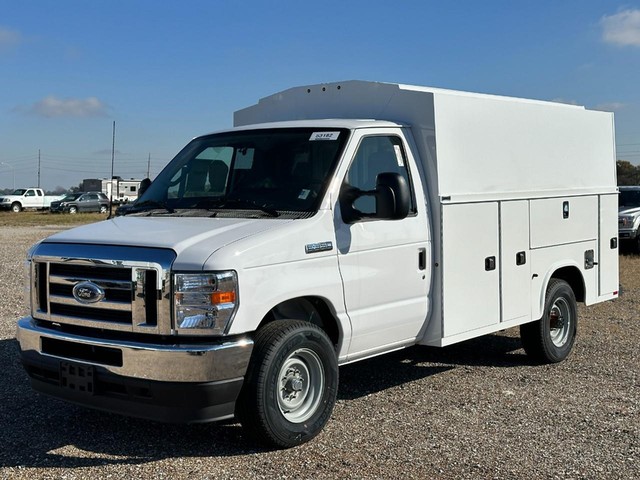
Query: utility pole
[113,154]
[38,168]
[149,165]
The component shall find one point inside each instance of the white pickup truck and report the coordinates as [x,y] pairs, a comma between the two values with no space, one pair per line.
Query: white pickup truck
[629,216]
[335,222]
[23,198]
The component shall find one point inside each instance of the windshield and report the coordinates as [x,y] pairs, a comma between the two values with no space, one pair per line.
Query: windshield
[70,197]
[270,172]
[629,198]
[19,191]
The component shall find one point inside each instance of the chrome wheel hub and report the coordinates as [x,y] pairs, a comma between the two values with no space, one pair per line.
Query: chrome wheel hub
[560,322]
[301,383]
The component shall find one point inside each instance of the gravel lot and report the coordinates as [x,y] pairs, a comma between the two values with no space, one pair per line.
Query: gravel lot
[479,409]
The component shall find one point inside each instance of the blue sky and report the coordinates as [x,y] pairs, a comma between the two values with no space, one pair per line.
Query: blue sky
[168,71]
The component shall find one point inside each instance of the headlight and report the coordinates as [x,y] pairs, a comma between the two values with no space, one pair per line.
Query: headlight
[28,281]
[27,284]
[626,220]
[204,303]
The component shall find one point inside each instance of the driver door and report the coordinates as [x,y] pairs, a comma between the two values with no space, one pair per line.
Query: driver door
[384,263]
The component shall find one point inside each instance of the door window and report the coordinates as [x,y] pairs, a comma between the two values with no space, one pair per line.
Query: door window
[375,155]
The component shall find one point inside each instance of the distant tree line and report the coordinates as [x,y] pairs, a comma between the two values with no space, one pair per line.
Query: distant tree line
[628,173]
[56,191]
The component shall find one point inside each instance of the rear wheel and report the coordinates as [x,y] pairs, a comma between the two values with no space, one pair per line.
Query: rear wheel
[103,209]
[551,339]
[291,384]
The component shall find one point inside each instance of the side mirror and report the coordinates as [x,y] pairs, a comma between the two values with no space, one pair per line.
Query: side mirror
[393,199]
[144,185]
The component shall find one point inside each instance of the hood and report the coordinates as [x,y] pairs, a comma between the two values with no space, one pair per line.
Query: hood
[624,210]
[193,239]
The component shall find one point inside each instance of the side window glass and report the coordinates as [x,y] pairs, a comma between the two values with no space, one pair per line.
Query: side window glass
[173,191]
[376,154]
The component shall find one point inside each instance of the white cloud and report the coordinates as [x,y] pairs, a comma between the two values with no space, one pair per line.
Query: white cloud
[610,106]
[52,106]
[9,38]
[622,29]
[564,100]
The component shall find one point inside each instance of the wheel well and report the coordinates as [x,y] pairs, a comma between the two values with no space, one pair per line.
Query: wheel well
[573,277]
[308,309]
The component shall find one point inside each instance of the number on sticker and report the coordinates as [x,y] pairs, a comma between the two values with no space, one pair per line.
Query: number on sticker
[315,136]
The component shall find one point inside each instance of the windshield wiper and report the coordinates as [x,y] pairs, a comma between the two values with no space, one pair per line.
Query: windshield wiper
[150,205]
[240,202]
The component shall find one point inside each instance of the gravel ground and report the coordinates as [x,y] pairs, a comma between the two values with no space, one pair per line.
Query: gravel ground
[478,409]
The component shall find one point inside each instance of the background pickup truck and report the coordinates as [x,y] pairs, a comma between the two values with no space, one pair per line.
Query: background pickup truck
[26,198]
[629,216]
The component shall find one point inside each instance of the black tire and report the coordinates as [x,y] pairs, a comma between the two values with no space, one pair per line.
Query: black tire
[103,209]
[291,384]
[551,339]
[73,209]
[16,207]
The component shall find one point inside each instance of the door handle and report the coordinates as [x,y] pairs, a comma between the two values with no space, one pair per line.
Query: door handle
[490,263]
[422,259]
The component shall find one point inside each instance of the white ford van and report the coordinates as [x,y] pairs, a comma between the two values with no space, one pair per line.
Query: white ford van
[333,223]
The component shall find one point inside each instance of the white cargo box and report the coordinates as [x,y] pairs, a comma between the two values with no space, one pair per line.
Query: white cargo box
[509,180]
[481,146]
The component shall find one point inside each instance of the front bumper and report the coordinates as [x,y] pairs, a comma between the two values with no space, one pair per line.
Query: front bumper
[179,383]
[627,233]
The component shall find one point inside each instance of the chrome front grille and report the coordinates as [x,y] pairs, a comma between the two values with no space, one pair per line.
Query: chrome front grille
[133,283]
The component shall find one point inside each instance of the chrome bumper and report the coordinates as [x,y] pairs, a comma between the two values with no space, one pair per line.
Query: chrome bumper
[146,361]
[627,233]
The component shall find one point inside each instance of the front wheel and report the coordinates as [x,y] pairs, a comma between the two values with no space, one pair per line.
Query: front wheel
[551,339]
[73,210]
[16,207]
[291,384]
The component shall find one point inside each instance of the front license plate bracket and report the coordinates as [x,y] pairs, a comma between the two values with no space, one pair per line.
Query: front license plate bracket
[77,377]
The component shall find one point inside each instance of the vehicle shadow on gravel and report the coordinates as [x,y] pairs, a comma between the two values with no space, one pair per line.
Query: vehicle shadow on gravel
[38,431]
[414,363]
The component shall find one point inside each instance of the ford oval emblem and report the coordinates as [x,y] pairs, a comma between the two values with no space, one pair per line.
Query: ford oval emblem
[88,292]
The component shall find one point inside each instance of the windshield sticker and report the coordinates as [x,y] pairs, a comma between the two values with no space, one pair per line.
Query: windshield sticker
[304,193]
[399,158]
[324,136]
